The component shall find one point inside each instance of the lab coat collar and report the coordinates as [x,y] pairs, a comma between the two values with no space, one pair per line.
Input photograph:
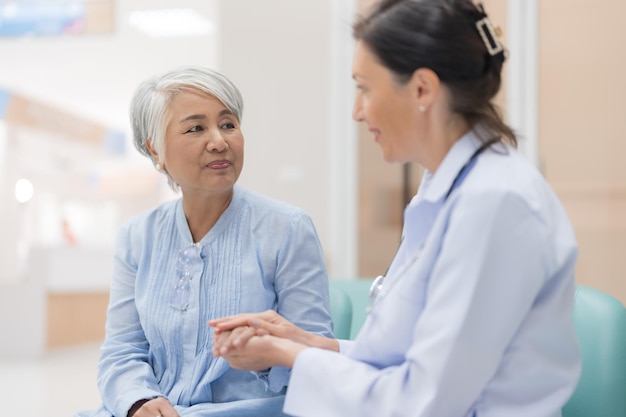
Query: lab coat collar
[435,185]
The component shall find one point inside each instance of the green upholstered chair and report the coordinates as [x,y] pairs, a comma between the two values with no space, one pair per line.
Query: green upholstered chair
[600,321]
[341,312]
[358,291]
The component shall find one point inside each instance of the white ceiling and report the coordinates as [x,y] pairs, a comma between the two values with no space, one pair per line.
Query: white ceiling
[94,75]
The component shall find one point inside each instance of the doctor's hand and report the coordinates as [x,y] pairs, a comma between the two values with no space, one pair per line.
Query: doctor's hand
[263,352]
[267,322]
[225,340]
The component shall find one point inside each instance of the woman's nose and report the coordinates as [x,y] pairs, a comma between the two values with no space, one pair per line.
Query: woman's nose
[216,142]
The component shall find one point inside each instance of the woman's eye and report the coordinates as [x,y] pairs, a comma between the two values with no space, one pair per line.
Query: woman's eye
[228,125]
[196,128]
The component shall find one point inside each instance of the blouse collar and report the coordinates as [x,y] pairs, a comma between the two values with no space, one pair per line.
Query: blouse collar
[222,223]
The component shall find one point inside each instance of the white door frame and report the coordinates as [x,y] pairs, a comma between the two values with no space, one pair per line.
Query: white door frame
[522,81]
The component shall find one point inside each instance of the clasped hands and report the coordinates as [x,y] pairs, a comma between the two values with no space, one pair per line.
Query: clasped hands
[257,341]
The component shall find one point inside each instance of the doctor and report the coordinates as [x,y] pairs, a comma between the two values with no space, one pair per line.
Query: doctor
[474,317]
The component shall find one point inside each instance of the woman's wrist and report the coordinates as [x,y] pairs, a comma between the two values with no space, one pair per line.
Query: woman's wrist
[136,406]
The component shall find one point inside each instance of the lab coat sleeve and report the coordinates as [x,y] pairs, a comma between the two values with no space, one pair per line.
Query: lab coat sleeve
[490,267]
[301,285]
[345,346]
[124,375]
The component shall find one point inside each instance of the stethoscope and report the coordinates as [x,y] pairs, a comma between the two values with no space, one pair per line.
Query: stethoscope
[377,285]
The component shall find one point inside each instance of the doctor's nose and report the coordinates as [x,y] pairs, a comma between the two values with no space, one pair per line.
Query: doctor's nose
[357,111]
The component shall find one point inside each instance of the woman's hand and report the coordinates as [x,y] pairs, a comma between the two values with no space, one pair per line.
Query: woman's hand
[156,407]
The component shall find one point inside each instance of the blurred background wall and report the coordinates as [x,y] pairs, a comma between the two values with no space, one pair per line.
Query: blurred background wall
[69,175]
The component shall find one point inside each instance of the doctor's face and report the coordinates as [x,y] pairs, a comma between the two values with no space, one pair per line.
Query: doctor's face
[386,107]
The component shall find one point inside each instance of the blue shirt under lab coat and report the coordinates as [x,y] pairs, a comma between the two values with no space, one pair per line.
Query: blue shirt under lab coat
[261,254]
[475,317]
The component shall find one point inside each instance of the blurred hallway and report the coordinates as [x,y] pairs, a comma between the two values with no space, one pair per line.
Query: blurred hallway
[60,383]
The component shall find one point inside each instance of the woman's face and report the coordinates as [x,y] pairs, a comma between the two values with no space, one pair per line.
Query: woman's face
[203,144]
[387,108]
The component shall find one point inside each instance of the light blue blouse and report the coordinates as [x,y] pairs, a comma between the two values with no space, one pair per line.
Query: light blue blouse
[475,317]
[261,254]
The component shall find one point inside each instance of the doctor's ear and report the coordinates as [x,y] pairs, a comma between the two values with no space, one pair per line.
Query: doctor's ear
[425,85]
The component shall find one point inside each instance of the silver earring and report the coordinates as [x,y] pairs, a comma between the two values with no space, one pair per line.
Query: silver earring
[157,166]
[422,108]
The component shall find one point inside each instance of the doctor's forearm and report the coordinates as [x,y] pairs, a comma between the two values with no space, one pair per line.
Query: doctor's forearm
[322,342]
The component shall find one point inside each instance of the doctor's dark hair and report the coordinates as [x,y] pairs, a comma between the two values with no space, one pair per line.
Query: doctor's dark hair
[440,35]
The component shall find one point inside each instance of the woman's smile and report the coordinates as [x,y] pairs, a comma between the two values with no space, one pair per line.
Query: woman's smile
[221,164]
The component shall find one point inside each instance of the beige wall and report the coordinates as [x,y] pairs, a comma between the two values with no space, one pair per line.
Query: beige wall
[582,134]
[75,318]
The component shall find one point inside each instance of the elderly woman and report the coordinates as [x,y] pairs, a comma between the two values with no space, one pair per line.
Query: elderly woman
[216,251]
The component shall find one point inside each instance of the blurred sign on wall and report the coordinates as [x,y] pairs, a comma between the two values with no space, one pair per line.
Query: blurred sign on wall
[55,18]
[5,97]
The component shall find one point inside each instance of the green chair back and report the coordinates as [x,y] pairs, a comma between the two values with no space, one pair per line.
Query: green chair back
[341,312]
[358,291]
[600,321]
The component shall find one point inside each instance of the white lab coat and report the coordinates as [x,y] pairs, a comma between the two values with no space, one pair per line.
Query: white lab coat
[476,314]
